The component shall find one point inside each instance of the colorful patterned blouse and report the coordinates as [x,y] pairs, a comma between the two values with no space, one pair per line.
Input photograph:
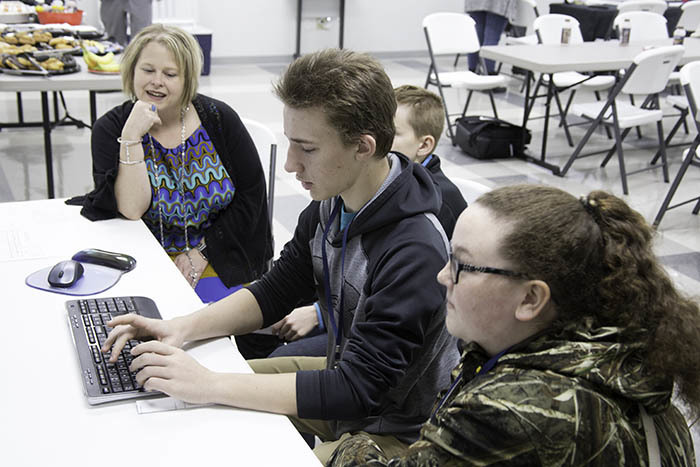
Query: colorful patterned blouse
[208,189]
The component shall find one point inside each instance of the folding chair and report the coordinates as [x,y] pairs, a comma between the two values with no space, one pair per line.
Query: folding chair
[529,39]
[690,16]
[450,34]
[690,79]
[648,76]
[549,31]
[654,6]
[644,26]
[266,144]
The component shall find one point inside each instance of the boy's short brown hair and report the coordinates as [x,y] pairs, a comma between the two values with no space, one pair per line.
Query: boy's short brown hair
[427,115]
[353,90]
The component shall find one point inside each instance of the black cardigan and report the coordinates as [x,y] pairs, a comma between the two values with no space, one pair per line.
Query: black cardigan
[239,239]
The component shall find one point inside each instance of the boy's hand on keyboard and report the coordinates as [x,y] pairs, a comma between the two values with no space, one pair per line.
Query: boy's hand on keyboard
[133,326]
[165,368]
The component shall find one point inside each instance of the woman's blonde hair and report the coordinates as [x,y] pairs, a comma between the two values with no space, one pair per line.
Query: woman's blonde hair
[185,49]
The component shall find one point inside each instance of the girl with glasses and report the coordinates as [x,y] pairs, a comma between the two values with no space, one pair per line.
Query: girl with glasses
[576,339]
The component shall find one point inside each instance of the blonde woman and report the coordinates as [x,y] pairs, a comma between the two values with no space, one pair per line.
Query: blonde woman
[183,162]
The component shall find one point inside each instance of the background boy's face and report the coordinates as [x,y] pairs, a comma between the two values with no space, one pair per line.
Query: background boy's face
[406,141]
[317,155]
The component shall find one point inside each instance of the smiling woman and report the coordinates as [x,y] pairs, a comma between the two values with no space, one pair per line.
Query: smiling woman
[183,162]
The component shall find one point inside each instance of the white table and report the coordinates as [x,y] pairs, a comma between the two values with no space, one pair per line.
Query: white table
[80,81]
[45,417]
[586,57]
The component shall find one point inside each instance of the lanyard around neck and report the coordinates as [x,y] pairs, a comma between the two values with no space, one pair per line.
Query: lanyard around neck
[481,369]
[336,328]
[427,161]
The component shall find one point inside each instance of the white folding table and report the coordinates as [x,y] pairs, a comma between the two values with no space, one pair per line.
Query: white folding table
[46,419]
[586,57]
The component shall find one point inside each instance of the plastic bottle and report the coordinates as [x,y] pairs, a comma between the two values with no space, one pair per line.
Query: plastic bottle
[678,36]
[625,32]
[565,34]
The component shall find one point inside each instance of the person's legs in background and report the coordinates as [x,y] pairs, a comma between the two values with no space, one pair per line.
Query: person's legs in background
[113,17]
[140,15]
[479,18]
[493,29]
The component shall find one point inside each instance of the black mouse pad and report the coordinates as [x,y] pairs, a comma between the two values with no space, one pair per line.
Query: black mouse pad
[95,279]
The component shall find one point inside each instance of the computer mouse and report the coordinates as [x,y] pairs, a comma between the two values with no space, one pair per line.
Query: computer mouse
[65,274]
[106,258]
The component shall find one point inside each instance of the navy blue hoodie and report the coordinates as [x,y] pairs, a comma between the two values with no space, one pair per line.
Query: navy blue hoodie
[395,352]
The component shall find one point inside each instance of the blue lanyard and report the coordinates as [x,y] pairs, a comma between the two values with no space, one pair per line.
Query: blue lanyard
[427,160]
[485,368]
[337,329]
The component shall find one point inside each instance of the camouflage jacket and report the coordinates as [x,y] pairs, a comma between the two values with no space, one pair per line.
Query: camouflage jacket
[555,400]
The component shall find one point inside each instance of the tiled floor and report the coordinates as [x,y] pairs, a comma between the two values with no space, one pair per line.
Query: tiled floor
[246,87]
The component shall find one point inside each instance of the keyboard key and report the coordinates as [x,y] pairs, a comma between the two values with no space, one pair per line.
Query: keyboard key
[90,335]
[121,305]
[96,354]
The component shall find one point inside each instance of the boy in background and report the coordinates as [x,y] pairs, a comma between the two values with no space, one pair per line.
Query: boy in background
[419,121]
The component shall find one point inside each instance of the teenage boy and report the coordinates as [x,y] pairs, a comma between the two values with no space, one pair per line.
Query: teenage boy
[419,121]
[369,246]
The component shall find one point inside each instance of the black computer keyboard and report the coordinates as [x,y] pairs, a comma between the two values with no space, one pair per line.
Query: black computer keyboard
[105,381]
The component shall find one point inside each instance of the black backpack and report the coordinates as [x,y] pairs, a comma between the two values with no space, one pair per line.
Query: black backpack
[490,138]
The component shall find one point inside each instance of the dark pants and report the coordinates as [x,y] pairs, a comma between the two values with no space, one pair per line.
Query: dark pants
[116,14]
[489,27]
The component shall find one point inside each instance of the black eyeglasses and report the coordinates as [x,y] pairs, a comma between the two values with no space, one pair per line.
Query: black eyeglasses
[457,267]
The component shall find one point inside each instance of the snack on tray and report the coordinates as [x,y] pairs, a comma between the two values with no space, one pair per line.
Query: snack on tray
[10,38]
[53,64]
[6,48]
[63,42]
[63,63]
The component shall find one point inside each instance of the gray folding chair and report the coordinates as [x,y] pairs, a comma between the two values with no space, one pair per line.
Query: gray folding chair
[266,144]
[449,34]
[549,31]
[647,76]
[690,79]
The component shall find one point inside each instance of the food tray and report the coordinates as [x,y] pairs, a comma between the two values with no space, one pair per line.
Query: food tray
[65,71]
[56,52]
